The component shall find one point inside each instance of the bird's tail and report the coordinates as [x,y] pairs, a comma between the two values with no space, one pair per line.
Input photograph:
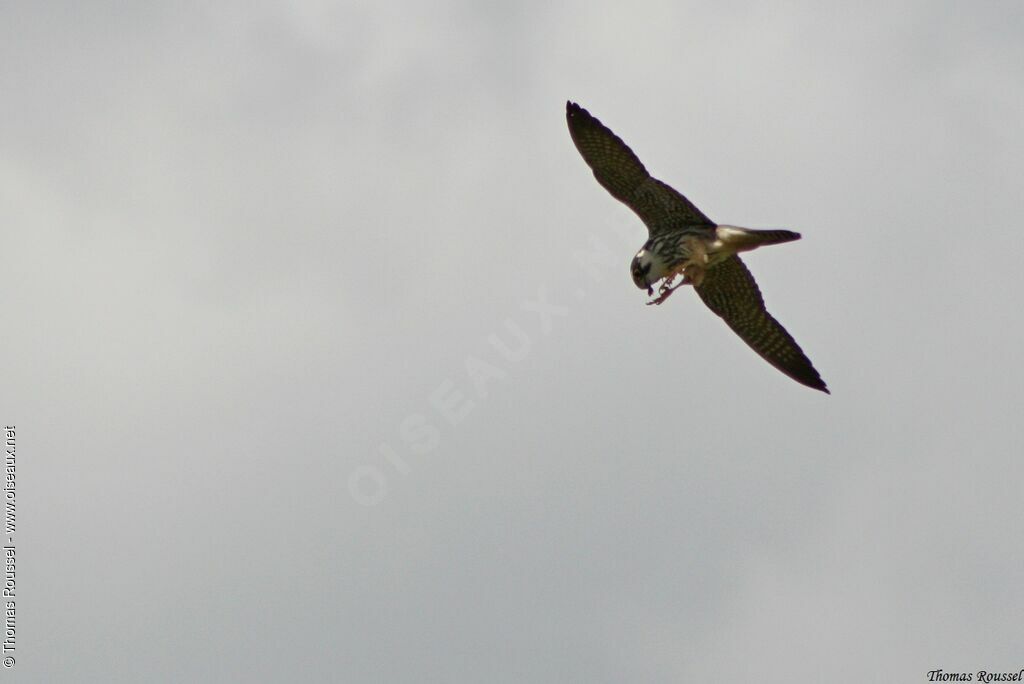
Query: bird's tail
[745,239]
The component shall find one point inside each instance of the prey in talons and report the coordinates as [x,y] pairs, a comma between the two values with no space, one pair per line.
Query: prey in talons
[693,270]
[666,289]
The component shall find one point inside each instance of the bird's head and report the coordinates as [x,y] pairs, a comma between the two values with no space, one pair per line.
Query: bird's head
[641,270]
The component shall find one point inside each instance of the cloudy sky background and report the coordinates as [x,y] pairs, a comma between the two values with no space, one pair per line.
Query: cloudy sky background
[253,255]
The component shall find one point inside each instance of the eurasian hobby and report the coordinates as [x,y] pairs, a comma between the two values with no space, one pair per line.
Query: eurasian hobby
[683,241]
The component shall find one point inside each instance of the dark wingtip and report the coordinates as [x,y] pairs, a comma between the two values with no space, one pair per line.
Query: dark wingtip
[575,115]
[808,377]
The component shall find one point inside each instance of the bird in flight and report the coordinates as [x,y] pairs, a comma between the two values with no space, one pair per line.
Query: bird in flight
[684,242]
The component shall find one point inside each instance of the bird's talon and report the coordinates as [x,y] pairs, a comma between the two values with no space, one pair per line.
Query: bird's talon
[663,294]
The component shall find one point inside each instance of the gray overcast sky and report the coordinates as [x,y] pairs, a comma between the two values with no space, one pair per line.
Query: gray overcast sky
[287,409]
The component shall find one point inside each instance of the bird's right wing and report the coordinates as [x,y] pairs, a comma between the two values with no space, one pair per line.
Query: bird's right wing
[731,292]
[620,172]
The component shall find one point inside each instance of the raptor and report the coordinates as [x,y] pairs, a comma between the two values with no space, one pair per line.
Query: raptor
[683,243]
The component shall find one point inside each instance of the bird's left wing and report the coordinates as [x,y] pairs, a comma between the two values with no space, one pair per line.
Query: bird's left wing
[660,207]
[731,292]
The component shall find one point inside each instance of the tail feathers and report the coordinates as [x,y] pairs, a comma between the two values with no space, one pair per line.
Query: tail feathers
[774,237]
[743,239]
